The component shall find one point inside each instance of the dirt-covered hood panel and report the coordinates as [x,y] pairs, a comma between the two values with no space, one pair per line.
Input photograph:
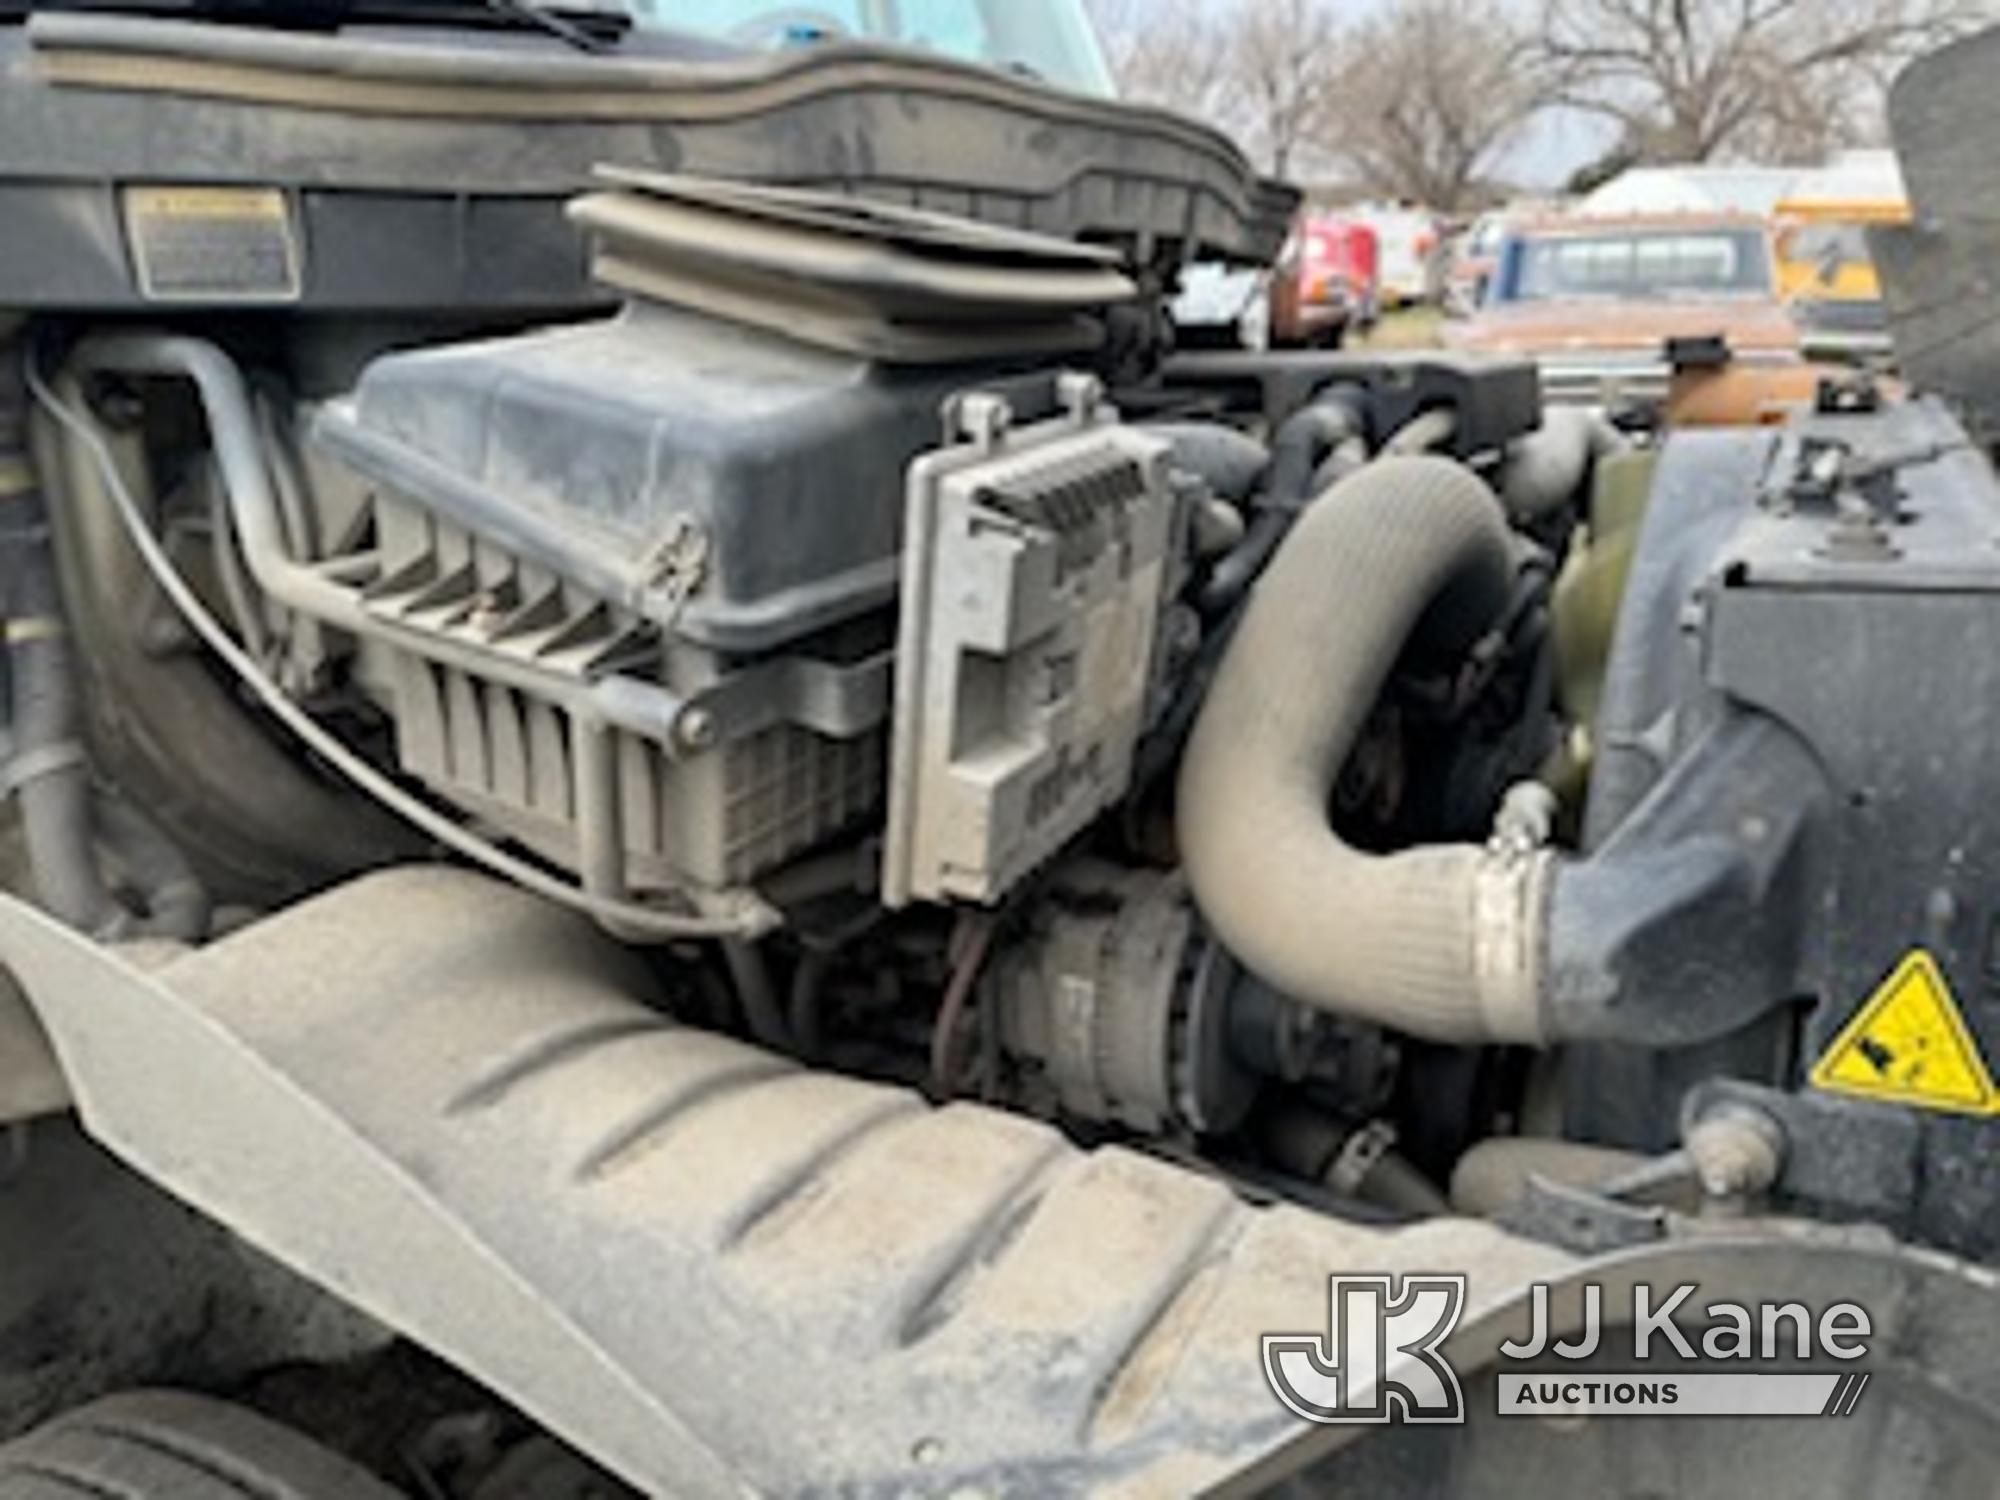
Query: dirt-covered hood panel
[87,100]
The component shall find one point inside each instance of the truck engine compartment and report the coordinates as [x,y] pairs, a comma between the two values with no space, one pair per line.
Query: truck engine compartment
[822,769]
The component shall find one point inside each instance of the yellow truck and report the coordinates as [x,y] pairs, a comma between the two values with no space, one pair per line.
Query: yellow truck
[1825,271]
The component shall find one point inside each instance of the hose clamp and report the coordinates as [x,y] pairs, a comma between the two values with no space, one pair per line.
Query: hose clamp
[1359,1155]
[17,477]
[32,765]
[1509,909]
[23,630]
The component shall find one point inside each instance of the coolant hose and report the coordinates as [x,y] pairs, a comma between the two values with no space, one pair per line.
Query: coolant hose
[1335,416]
[61,820]
[1228,461]
[751,974]
[1547,469]
[48,772]
[1442,942]
[1304,440]
[177,904]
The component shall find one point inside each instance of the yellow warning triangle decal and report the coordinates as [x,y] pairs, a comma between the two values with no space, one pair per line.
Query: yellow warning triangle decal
[1908,1044]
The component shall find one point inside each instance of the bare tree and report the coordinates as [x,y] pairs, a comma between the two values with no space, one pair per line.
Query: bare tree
[1431,94]
[1285,60]
[1263,70]
[1692,79]
[1173,53]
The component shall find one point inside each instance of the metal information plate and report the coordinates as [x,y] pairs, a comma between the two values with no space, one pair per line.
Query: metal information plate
[212,244]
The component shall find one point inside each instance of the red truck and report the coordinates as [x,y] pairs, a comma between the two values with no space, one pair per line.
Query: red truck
[1327,280]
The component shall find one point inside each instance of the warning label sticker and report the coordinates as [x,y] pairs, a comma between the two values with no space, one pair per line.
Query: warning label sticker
[1909,1044]
[212,244]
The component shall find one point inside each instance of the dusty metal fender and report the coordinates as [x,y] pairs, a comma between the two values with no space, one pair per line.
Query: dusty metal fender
[713,1270]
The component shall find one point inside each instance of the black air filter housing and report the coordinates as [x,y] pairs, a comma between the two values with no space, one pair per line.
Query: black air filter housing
[589,448]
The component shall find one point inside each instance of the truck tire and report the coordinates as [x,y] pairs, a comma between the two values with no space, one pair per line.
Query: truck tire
[164,1445]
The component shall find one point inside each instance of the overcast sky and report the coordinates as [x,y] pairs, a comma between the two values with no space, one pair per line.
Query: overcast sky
[1555,144]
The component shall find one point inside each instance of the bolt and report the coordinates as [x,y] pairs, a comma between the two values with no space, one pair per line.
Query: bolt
[695,728]
[1526,820]
[1940,912]
[1737,1151]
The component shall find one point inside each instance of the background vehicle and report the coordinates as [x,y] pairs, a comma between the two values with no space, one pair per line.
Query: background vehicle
[1223,307]
[1408,244]
[1595,301]
[688,816]
[1746,191]
[1826,271]
[1474,256]
[1326,282]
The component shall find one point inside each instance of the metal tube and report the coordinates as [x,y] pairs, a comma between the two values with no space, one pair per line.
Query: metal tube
[739,912]
[254,504]
[240,460]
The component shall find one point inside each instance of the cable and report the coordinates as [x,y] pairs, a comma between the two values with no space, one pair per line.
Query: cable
[751,975]
[248,611]
[625,915]
[973,938]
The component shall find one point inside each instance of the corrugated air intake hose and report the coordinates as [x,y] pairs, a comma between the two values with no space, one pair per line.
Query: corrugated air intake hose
[1408,554]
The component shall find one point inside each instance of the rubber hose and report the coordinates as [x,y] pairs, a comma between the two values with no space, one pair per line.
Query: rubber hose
[803,1006]
[1338,464]
[1215,528]
[1231,578]
[1429,429]
[751,975]
[1394,1183]
[1547,469]
[1441,942]
[1492,1175]
[1304,440]
[1305,437]
[177,904]
[54,787]
[1229,461]
[49,765]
